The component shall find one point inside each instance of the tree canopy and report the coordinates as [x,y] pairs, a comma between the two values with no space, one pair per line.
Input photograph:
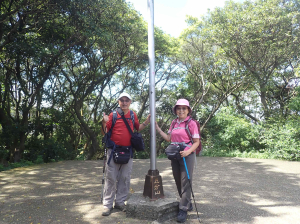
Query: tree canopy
[63,63]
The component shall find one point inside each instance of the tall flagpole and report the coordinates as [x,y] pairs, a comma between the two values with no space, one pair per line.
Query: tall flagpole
[153,183]
[151,55]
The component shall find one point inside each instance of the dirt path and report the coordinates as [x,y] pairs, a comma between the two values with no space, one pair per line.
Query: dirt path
[227,190]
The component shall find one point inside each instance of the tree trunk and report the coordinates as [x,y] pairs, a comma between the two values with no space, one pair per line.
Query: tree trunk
[88,131]
[264,101]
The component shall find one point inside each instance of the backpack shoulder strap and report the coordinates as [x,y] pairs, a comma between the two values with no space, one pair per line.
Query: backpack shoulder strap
[187,129]
[115,115]
[132,117]
[173,124]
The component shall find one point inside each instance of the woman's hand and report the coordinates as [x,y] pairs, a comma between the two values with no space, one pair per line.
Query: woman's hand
[185,153]
[157,127]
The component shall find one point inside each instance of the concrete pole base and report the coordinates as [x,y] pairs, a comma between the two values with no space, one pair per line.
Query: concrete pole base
[143,208]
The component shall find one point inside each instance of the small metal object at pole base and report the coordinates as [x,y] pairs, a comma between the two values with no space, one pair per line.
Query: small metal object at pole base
[153,187]
[153,183]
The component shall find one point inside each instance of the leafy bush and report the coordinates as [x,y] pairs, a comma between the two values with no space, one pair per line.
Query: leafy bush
[295,102]
[49,150]
[229,131]
[282,139]
[232,135]
[39,160]
[2,167]
[142,155]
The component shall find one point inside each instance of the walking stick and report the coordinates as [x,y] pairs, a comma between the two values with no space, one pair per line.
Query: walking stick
[103,176]
[187,172]
[104,164]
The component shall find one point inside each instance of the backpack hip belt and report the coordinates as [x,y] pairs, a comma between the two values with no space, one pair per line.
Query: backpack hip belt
[181,143]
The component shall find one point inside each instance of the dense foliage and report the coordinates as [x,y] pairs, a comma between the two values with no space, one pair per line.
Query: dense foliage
[246,57]
[63,63]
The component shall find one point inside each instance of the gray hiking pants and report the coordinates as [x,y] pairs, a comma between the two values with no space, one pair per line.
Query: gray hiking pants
[181,179]
[117,182]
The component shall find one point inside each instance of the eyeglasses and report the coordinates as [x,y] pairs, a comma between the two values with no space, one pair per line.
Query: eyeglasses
[125,101]
[181,108]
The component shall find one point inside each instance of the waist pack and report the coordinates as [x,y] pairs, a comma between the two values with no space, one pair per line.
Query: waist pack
[121,155]
[173,152]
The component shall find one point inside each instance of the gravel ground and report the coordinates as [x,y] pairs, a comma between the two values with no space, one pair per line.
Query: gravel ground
[226,190]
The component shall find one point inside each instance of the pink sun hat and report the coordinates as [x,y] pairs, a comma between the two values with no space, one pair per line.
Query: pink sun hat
[182,102]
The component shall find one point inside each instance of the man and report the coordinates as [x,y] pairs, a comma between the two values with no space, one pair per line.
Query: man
[117,178]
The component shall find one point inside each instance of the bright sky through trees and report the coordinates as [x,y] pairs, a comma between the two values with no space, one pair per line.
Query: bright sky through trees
[170,15]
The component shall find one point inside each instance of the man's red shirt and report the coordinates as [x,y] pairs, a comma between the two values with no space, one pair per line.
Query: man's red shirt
[120,134]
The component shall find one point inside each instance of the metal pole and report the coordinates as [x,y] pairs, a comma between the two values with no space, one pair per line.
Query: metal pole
[151,55]
[153,187]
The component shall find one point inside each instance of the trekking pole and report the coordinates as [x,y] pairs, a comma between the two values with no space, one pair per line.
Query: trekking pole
[103,176]
[104,162]
[187,172]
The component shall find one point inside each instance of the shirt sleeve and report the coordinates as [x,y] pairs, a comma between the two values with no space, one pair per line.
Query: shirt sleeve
[194,129]
[169,132]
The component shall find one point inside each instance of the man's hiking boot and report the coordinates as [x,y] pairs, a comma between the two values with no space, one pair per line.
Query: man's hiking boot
[106,211]
[181,217]
[121,207]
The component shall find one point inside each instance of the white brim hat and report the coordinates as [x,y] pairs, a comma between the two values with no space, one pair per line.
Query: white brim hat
[125,94]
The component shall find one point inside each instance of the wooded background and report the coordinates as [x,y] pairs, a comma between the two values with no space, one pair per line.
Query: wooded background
[64,63]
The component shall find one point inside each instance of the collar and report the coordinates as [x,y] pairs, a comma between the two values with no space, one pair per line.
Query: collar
[178,121]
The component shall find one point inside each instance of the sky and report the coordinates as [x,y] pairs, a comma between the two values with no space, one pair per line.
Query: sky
[170,15]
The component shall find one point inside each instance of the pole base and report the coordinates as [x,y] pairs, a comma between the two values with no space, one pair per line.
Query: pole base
[153,187]
[161,210]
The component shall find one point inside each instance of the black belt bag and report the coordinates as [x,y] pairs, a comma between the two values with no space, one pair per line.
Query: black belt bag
[122,154]
[173,152]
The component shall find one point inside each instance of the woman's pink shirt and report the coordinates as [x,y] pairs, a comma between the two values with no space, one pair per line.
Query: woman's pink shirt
[179,134]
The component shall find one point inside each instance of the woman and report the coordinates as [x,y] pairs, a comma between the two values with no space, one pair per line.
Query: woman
[177,135]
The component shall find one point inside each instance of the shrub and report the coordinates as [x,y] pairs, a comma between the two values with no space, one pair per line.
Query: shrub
[229,131]
[282,139]
[39,160]
[2,167]
[142,155]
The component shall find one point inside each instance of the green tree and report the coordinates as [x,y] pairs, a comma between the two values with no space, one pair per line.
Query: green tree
[46,33]
[34,38]
[262,36]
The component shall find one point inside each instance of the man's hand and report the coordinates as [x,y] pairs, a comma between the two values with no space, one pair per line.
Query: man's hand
[104,121]
[105,118]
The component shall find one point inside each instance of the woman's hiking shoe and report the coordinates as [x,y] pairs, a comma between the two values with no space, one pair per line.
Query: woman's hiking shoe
[121,207]
[181,217]
[106,211]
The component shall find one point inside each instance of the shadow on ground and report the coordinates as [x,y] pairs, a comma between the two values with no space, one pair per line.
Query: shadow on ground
[226,190]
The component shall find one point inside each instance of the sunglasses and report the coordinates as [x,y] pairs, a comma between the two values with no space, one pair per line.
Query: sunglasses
[125,101]
[181,108]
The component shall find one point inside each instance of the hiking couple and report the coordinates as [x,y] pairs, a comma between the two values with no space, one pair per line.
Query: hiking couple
[117,176]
